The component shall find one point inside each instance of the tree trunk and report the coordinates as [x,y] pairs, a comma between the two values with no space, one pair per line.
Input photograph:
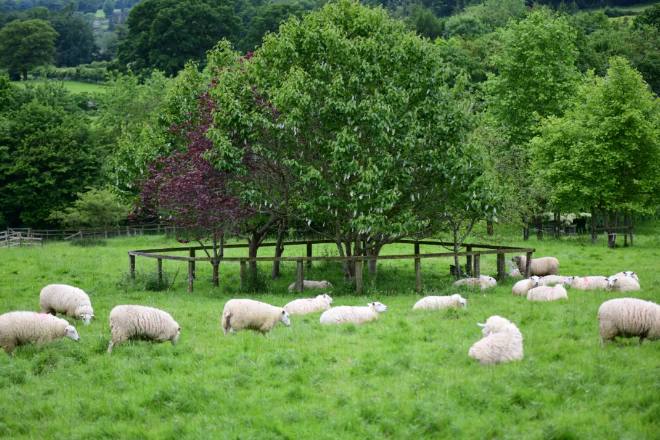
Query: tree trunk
[594,235]
[612,235]
[25,78]
[279,250]
[489,227]
[538,224]
[215,273]
[372,265]
[606,220]
[253,250]
[458,267]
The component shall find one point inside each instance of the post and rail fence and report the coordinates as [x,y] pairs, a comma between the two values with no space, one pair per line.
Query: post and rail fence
[473,259]
[42,235]
[20,237]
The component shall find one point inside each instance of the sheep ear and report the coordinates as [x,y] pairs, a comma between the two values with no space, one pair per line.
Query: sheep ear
[481,325]
[283,312]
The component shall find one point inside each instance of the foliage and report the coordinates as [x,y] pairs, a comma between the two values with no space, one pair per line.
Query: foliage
[497,13]
[268,19]
[464,25]
[25,45]
[75,42]
[108,9]
[144,281]
[425,23]
[650,16]
[96,208]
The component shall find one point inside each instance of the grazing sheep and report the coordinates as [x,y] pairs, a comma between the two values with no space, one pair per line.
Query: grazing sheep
[514,272]
[240,314]
[502,342]
[20,328]
[622,284]
[551,279]
[309,305]
[352,315]
[628,273]
[547,293]
[523,286]
[628,317]
[441,302]
[312,285]
[540,266]
[141,322]
[586,283]
[484,281]
[68,300]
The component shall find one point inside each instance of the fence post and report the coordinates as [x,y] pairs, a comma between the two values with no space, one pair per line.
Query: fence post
[192,255]
[191,275]
[131,265]
[468,261]
[418,274]
[160,270]
[242,274]
[358,277]
[528,266]
[501,271]
[477,266]
[299,276]
[309,254]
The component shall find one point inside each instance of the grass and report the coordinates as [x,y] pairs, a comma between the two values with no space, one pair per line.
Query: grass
[406,375]
[79,87]
[638,7]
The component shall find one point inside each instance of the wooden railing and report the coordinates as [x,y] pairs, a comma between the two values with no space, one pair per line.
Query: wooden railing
[20,237]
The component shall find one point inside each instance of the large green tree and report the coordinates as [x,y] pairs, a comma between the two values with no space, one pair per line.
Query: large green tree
[268,19]
[25,45]
[75,43]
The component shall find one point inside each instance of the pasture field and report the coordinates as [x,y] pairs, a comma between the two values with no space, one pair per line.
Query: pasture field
[80,87]
[406,375]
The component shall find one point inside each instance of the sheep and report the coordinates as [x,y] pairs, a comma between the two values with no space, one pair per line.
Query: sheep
[312,285]
[547,293]
[540,266]
[484,282]
[551,279]
[441,302]
[20,328]
[523,286]
[622,284]
[309,305]
[586,283]
[502,342]
[628,273]
[514,272]
[628,317]
[352,315]
[240,314]
[141,322]
[68,300]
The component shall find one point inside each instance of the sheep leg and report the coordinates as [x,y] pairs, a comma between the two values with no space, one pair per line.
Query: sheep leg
[641,339]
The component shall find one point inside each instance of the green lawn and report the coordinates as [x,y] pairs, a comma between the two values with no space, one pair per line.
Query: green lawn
[406,375]
[80,87]
[100,13]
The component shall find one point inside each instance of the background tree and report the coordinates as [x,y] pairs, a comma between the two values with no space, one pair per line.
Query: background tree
[75,43]
[268,19]
[650,16]
[25,45]
[108,9]
[96,208]
[425,23]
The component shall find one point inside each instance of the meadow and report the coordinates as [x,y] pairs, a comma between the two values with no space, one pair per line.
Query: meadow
[80,87]
[406,375]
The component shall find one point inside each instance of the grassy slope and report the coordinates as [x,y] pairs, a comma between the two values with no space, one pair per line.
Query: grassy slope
[80,87]
[405,376]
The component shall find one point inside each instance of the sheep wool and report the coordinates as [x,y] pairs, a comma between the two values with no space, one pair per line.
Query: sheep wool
[514,272]
[502,342]
[586,283]
[20,328]
[312,285]
[523,286]
[551,279]
[441,302]
[627,318]
[622,284]
[547,293]
[68,300]
[308,305]
[240,314]
[628,273]
[484,282]
[540,266]
[141,322]
[352,315]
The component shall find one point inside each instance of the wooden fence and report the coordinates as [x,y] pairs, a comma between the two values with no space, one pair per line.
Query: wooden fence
[122,231]
[20,237]
[473,259]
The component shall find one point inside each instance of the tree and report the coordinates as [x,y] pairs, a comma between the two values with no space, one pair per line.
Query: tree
[425,23]
[166,34]
[650,16]
[604,153]
[96,208]
[25,45]
[268,19]
[464,25]
[109,9]
[75,43]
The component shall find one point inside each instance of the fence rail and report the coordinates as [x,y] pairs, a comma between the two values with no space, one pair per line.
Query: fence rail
[20,237]
[69,234]
[473,259]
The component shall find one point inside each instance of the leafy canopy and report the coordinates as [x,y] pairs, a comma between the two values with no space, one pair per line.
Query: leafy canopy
[25,45]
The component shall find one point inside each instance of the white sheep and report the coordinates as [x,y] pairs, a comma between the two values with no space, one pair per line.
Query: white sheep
[622,284]
[628,317]
[547,293]
[502,342]
[312,285]
[441,302]
[240,314]
[141,322]
[484,282]
[514,272]
[352,315]
[540,266]
[523,286]
[586,283]
[20,328]
[551,279]
[309,305]
[628,273]
[68,300]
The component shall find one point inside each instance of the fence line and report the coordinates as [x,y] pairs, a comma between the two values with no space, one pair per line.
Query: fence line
[20,237]
[68,234]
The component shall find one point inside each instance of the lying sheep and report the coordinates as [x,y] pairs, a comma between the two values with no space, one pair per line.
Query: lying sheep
[628,317]
[441,302]
[141,322]
[68,300]
[622,284]
[540,266]
[21,328]
[523,286]
[240,314]
[514,272]
[484,282]
[309,305]
[502,342]
[312,285]
[352,315]
[551,279]
[586,283]
[628,273]
[547,293]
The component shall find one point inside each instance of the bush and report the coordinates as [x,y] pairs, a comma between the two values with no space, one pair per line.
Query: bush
[94,73]
[144,281]
[617,12]
[88,242]
[255,283]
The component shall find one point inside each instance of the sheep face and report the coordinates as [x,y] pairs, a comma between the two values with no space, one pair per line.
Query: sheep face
[325,297]
[535,280]
[286,320]
[71,333]
[611,281]
[494,324]
[516,259]
[86,318]
[569,280]
[380,307]
[176,338]
[463,302]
